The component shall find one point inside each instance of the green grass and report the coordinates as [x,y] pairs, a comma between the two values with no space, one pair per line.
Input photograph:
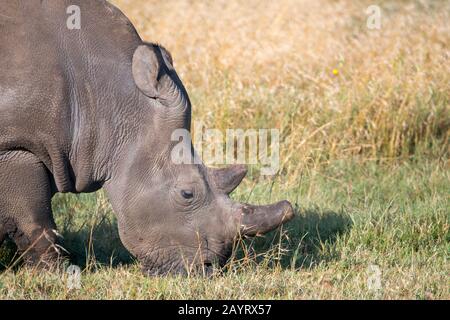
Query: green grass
[349,216]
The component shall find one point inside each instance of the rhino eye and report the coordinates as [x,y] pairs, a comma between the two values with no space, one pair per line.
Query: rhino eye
[187,194]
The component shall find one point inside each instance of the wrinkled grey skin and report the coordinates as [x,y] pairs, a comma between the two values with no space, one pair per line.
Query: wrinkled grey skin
[96,107]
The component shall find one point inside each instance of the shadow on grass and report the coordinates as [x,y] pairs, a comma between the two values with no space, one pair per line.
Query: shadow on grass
[305,241]
[7,253]
[87,246]
[99,244]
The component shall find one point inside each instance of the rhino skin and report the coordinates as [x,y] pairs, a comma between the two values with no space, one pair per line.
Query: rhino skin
[95,107]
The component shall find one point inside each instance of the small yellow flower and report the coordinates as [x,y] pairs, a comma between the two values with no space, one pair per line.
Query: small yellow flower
[335,72]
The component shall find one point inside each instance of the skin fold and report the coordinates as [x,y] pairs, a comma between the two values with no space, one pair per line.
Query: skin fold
[93,108]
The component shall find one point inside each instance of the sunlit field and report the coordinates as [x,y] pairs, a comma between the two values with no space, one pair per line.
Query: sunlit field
[364,118]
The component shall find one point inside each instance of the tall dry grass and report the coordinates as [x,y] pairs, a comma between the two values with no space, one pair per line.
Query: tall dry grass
[313,69]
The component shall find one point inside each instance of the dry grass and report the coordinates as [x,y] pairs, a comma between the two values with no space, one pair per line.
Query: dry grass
[364,116]
[270,64]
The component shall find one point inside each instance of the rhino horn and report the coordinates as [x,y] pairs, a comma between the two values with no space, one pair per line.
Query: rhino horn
[258,220]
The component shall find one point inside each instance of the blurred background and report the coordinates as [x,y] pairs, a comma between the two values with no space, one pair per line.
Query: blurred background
[313,69]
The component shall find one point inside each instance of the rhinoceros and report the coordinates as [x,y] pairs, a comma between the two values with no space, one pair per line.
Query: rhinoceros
[94,107]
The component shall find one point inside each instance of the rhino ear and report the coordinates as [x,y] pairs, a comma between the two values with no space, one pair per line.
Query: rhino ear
[227,179]
[146,68]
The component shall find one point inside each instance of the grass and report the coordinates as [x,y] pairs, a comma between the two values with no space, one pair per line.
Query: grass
[364,119]
[349,217]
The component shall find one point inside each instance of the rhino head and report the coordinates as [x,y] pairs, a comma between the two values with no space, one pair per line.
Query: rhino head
[178,218]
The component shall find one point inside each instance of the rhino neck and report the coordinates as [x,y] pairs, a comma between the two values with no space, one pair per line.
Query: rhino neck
[144,156]
[120,137]
[102,97]
[104,125]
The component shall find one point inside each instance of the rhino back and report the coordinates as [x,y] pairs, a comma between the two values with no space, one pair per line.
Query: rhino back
[60,88]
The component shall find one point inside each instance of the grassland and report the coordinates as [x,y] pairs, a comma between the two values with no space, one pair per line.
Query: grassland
[364,120]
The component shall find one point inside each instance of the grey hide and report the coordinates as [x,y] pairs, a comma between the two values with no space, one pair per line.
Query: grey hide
[96,107]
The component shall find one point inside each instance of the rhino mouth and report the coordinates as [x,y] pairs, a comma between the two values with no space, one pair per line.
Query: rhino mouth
[205,264]
[206,269]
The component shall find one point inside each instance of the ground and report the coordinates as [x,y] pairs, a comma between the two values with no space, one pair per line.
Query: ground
[364,118]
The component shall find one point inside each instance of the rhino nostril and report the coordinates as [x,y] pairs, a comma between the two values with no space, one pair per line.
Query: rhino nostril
[247,210]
